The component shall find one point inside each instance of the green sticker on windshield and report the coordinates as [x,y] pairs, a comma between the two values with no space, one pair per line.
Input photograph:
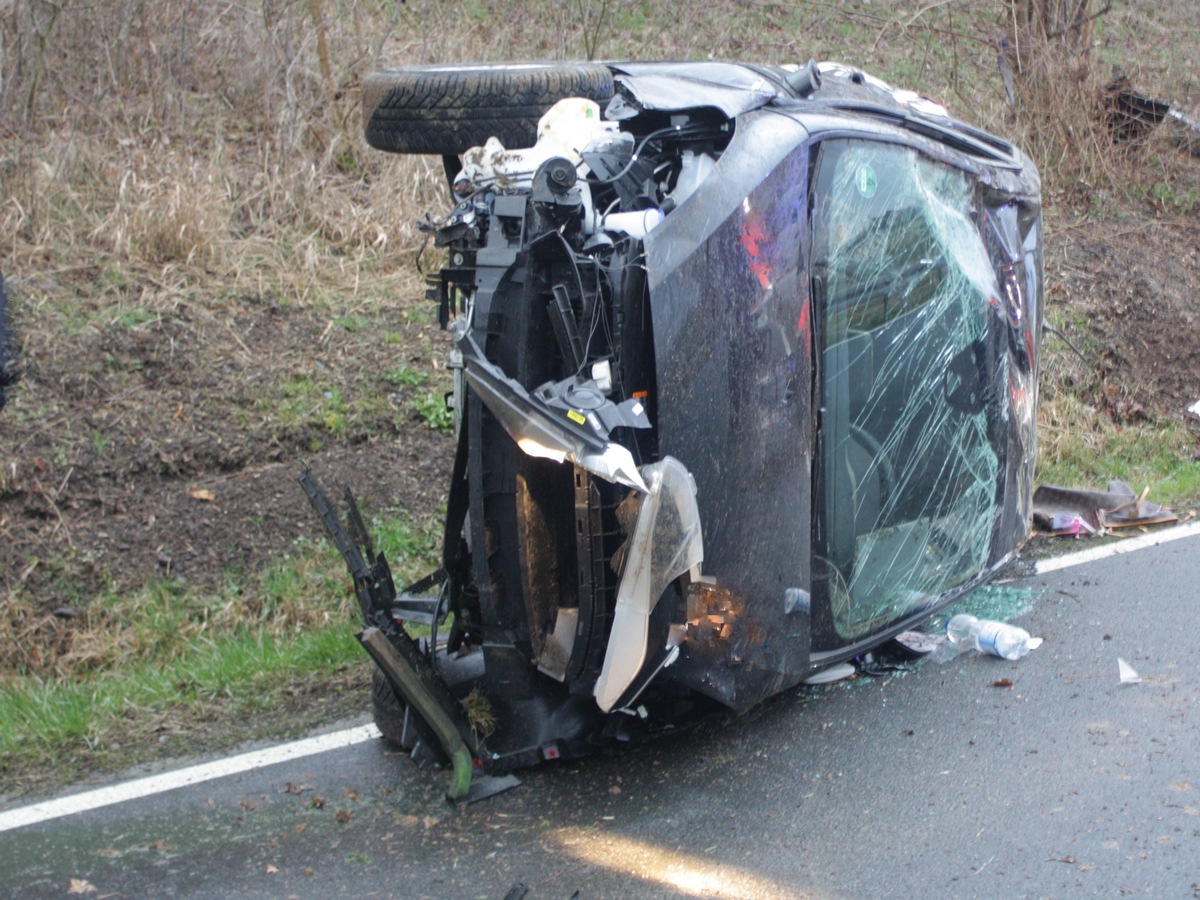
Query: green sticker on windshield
[865,181]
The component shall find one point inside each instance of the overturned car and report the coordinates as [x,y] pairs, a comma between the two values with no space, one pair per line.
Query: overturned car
[745,367]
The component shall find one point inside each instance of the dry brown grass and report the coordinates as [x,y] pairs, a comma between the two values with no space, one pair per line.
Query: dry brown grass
[479,713]
[224,139]
[183,142]
[216,138]
[1057,117]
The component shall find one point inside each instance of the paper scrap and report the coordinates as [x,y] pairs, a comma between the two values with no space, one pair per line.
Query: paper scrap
[1128,674]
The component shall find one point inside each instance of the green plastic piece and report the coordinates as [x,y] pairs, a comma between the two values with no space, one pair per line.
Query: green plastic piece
[425,704]
[460,778]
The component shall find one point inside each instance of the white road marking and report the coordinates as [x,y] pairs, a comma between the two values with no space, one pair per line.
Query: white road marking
[1128,545]
[167,781]
[256,759]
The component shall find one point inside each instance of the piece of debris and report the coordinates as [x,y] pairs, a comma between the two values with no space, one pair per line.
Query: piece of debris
[1128,674]
[1068,523]
[1063,510]
[918,643]
[484,786]
[839,672]
[10,369]
[1131,116]
[965,632]
[1194,409]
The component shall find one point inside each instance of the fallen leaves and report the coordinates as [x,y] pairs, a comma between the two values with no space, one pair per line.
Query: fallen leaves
[203,494]
[80,886]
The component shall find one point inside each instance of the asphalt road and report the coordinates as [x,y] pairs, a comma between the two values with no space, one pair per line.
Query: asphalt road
[937,782]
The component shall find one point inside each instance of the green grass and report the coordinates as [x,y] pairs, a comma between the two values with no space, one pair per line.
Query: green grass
[1077,449]
[170,650]
[247,671]
[1173,198]
[101,442]
[301,403]
[430,405]
[353,322]
[132,318]
[433,411]
[1079,444]
[405,376]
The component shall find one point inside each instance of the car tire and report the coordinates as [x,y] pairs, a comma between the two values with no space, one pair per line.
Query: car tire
[444,110]
[388,710]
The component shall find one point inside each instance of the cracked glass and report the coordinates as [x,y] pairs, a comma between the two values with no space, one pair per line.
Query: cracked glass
[907,297]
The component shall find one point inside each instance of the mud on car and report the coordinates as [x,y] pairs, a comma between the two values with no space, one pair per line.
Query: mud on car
[745,372]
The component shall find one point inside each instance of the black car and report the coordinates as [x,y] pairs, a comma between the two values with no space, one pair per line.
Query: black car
[746,373]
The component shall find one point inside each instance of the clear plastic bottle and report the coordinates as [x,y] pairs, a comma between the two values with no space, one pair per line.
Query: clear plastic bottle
[966,632]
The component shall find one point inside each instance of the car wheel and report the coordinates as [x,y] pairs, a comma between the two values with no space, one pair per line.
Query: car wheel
[388,711]
[443,110]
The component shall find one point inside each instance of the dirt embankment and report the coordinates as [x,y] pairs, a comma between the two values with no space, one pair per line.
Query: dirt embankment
[169,446]
[1129,285]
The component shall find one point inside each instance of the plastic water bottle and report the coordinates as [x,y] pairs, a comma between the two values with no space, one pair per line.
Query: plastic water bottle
[966,632]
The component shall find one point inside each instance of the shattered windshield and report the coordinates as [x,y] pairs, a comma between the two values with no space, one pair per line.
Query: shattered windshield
[902,280]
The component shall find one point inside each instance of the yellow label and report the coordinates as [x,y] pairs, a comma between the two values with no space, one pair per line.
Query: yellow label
[576,417]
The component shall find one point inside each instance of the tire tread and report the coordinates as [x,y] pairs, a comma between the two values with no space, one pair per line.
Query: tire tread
[446,110]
